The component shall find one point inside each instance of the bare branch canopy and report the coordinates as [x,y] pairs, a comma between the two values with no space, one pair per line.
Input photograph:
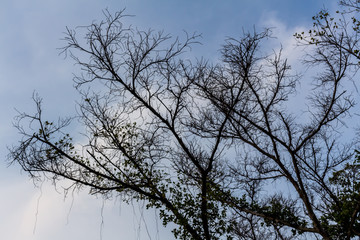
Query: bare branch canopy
[203,143]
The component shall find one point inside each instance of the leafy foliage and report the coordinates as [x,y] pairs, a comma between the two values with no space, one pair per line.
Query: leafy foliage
[343,220]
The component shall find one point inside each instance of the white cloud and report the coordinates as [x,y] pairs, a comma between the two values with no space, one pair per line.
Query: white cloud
[284,38]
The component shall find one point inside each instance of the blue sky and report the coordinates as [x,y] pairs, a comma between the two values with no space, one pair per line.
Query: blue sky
[31,33]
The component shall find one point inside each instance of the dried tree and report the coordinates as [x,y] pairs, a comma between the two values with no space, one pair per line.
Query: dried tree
[204,143]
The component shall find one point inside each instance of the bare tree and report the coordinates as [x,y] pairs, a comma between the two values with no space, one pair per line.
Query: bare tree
[205,144]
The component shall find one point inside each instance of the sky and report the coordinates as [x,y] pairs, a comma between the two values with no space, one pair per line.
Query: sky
[30,38]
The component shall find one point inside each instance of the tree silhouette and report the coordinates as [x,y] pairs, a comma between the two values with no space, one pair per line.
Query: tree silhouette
[203,142]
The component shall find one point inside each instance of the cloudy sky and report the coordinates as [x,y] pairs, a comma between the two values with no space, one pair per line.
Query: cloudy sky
[30,38]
